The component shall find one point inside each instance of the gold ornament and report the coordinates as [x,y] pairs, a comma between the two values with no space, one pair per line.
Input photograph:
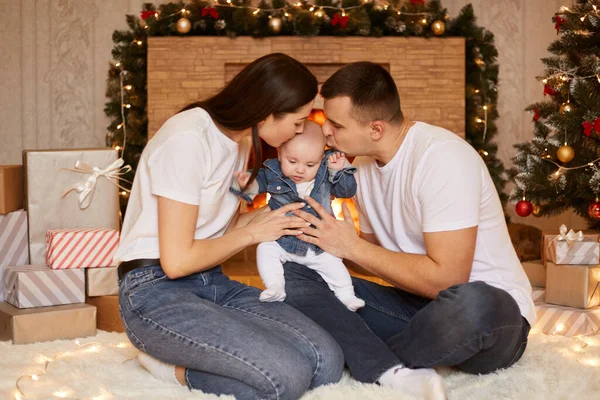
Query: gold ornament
[567,108]
[438,27]
[565,153]
[183,25]
[479,61]
[537,210]
[275,24]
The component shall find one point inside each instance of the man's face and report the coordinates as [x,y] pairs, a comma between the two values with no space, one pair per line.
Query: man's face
[342,131]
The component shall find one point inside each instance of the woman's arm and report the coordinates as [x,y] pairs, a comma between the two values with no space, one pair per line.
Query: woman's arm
[182,255]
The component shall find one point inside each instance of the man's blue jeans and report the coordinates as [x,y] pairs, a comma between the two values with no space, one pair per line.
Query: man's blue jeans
[228,340]
[474,326]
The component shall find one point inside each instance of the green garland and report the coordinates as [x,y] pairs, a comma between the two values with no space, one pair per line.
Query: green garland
[350,18]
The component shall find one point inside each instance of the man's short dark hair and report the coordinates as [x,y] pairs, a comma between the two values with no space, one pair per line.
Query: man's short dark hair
[371,89]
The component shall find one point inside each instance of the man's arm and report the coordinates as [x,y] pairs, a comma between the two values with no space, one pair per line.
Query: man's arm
[448,260]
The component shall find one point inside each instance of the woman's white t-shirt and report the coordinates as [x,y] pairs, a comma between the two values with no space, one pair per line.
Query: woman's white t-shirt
[188,160]
[437,182]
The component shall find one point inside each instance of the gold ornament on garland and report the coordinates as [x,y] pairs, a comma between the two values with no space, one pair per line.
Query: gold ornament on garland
[184,25]
[567,108]
[438,27]
[537,210]
[565,153]
[479,61]
[275,24]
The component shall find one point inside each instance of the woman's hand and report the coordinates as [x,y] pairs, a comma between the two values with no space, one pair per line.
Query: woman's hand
[271,225]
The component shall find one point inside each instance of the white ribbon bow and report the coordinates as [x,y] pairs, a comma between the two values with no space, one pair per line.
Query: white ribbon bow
[569,237]
[114,173]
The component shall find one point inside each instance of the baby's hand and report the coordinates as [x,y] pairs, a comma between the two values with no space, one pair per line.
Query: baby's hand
[242,178]
[336,161]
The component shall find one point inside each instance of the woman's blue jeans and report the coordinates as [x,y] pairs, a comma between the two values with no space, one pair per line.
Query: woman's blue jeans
[228,341]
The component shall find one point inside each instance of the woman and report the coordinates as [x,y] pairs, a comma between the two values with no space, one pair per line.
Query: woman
[176,304]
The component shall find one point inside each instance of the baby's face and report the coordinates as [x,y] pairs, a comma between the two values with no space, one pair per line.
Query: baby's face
[300,160]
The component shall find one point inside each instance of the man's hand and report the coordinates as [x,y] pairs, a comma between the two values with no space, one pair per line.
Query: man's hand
[333,236]
[242,178]
[336,161]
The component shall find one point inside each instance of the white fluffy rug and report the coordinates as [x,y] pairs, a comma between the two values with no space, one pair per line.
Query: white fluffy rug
[552,368]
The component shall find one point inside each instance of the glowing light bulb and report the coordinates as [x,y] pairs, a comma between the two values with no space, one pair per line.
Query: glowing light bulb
[485,107]
[118,64]
[117,148]
[34,377]
[311,9]
[256,12]
[560,326]
[128,87]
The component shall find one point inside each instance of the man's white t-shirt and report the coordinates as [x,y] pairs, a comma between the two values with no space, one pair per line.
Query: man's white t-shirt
[437,182]
[188,160]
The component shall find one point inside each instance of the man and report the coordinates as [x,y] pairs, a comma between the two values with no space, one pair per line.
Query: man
[432,225]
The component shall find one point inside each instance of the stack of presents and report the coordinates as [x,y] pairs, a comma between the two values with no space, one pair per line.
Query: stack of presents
[59,229]
[566,283]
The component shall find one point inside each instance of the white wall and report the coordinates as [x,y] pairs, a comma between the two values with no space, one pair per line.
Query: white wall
[54,56]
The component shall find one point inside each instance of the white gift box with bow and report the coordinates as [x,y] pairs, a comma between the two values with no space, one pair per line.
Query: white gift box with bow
[574,248]
[69,189]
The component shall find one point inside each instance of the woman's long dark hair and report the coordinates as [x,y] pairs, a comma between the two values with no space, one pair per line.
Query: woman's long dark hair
[273,84]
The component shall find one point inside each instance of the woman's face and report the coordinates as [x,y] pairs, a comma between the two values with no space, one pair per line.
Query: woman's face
[276,131]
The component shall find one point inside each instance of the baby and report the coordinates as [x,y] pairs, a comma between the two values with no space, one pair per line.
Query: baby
[302,168]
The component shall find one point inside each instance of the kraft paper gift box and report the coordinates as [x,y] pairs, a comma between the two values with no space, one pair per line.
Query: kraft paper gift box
[573,285]
[575,248]
[102,281]
[109,318]
[81,248]
[69,189]
[39,286]
[11,188]
[46,324]
[536,272]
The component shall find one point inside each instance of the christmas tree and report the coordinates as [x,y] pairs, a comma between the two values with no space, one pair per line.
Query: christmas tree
[559,168]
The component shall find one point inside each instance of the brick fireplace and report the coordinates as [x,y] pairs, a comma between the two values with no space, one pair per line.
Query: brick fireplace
[429,73]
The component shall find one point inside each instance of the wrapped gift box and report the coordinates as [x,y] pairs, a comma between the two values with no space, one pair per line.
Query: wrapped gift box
[81,248]
[11,188]
[566,321]
[102,281]
[578,252]
[47,323]
[90,200]
[536,272]
[573,285]
[39,286]
[13,239]
[538,294]
[108,318]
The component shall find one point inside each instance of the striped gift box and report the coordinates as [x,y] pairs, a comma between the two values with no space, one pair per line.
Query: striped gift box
[34,286]
[566,321]
[80,248]
[13,239]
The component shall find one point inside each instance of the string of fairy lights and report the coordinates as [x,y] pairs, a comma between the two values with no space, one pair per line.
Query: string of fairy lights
[61,392]
[582,342]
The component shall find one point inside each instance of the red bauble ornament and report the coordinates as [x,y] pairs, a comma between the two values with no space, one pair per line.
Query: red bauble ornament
[524,208]
[594,210]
